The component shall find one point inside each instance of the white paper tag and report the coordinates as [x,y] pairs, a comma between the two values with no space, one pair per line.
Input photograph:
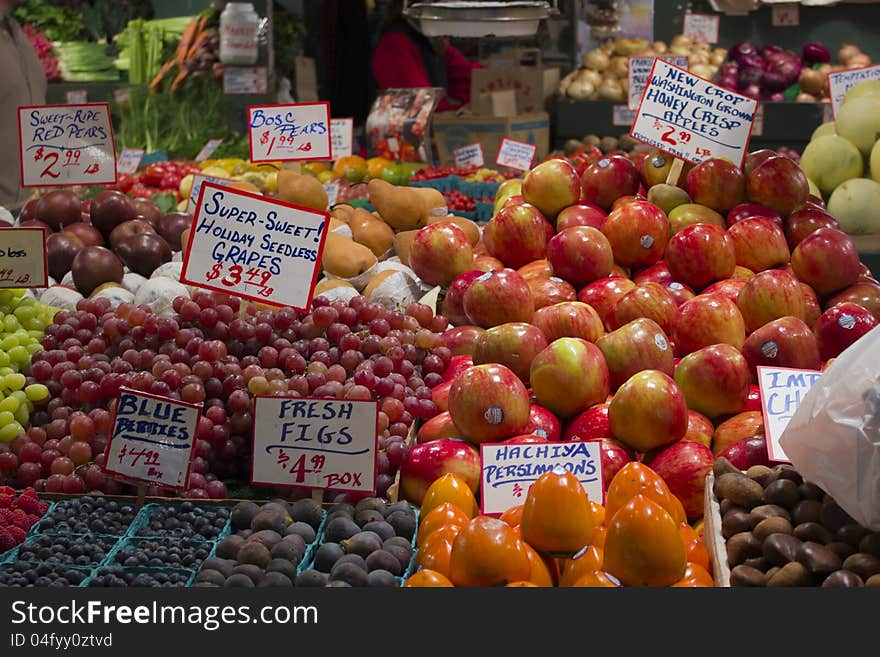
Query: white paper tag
[782,390]
[242,80]
[468,156]
[702,28]
[842,81]
[23,258]
[342,135]
[300,131]
[208,149]
[515,154]
[638,70]
[129,160]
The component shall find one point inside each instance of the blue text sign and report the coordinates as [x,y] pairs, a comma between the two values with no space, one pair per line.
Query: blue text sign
[638,71]
[842,81]
[515,154]
[782,390]
[300,131]
[470,156]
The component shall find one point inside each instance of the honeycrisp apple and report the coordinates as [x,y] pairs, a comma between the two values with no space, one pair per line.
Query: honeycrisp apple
[715,380]
[517,235]
[648,411]
[453,303]
[779,183]
[649,300]
[639,345]
[717,184]
[488,403]
[736,428]
[759,244]
[864,293]
[729,287]
[690,214]
[460,340]
[700,429]
[801,223]
[840,326]
[590,424]
[569,375]
[705,320]
[638,233]
[439,253]
[770,295]
[700,254]
[683,466]
[498,297]
[826,260]
[581,213]
[551,186]
[749,210]
[569,319]
[537,268]
[543,422]
[603,294]
[550,290]
[580,255]
[438,427]
[656,273]
[784,342]
[606,180]
[428,462]
[513,345]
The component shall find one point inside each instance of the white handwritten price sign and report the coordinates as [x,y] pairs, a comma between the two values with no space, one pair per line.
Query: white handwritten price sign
[332,190]
[842,81]
[470,156]
[152,439]
[510,470]
[702,28]
[66,145]
[622,116]
[515,154]
[315,443]
[782,389]
[23,258]
[196,188]
[255,248]
[785,15]
[691,118]
[129,159]
[342,136]
[208,149]
[243,80]
[638,71]
[290,132]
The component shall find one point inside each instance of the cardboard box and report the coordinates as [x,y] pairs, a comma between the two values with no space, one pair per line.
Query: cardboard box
[712,538]
[522,71]
[452,130]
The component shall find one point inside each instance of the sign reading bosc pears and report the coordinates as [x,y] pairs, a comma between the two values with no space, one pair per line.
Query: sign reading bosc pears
[315,443]
[639,69]
[510,470]
[842,81]
[300,131]
[255,248]
[691,118]
[782,389]
[152,439]
[23,258]
[66,145]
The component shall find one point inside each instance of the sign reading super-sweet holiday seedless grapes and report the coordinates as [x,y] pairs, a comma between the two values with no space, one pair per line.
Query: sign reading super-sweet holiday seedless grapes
[196,188]
[254,247]
[782,390]
[842,81]
[315,443]
[152,439]
[510,470]
[23,258]
[691,118]
[66,145]
[300,131]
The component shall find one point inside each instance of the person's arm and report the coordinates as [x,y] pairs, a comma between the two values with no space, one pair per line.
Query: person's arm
[397,63]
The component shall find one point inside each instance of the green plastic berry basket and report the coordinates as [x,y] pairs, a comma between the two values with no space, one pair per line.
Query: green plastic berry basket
[36,530]
[132,542]
[112,541]
[186,575]
[87,571]
[445,184]
[142,520]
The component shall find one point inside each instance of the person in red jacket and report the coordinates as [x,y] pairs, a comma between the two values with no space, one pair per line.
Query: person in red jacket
[404,57]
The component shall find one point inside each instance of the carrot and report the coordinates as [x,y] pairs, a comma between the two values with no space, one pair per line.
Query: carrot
[192,30]
[167,66]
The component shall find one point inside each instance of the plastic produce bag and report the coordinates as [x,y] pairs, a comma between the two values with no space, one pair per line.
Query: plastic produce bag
[833,439]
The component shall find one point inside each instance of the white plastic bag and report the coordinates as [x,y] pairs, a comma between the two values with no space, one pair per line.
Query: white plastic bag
[833,439]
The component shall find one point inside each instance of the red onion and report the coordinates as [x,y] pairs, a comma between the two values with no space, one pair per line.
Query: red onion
[737,50]
[751,61]
[777,97]
[766,51]
[749,75]
[816,53]
[752,91]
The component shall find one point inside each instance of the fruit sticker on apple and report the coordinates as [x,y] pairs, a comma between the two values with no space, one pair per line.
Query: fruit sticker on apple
[299,131]
[515,154]
[23,261]
[509,470]
[324,444]
[151,440]
[255,248]
[66,145]
[691,118]
[782,390]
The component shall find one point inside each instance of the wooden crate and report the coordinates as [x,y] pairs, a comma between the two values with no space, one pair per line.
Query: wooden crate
[712,537]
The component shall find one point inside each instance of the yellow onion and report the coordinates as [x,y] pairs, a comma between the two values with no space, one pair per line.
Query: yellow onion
[597,60]
[811,81]
[847,51]
[619,67]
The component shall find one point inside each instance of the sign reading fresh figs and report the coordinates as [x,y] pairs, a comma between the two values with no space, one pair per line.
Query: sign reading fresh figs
[327,444]
[510,470]
[782,390]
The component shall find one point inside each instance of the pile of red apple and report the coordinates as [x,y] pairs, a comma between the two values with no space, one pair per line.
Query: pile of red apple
[636,312]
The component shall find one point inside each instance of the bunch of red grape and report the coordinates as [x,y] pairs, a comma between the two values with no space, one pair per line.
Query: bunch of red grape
[207,354]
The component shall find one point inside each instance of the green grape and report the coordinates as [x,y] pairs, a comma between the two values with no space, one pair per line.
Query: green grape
[9,342]
[11,323]
[33,348]
[4,359]
[14,381]
[22,415]
[6,418]
[36,392]
[6,370]
[9,404]
[8,432]
[19,355]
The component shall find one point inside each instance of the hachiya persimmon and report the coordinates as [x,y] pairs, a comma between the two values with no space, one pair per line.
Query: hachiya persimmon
[694,546]
[636,478]
[596,578]
[557,518]
[598,512]
[599,535]
[513,516]
[585,561]
[434,553]
[486,552]
[449,488]
[644,546]
[695,576]
[544,571]
[445,514]
[427,578]
[522,584]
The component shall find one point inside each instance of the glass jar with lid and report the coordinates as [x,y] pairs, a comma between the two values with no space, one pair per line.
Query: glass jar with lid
[239,27]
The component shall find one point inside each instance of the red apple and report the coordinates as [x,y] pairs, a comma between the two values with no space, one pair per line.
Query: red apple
[487,263]
[606,180]
[457,365]
[639,345]
[516,199]
[747,452]
[93,266]
[680,293]
[700,254]
[700,429]
[129,228]
[648,411]
[826,260]
[453,303]
[440,395]
[717,184]
[614,455]
[756,158]
[705,320]
[715,380]
[88,234]
[58,208]
[498,297]
[801,223]
[638,233]
[61,249]
[551,186]
[524,439]
[729,287]
[604,293]
[440,252]
[812,307]
[840,326]
[544,423]
[753,401]
[590,424]
[778,183]
[656,273]
[460,340]
[429,461]
[537,268]
[438,427]
[111,208]
[749,210]
[513,345]
[784,342]
[864,293]
[649,300]
[770,295]
[549,291]
[517,235]
[569,319]
[683,466]
[581,213]
[569,375]
[759,244]
[488,403]
[580,255]
[739,427]
[689,214]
